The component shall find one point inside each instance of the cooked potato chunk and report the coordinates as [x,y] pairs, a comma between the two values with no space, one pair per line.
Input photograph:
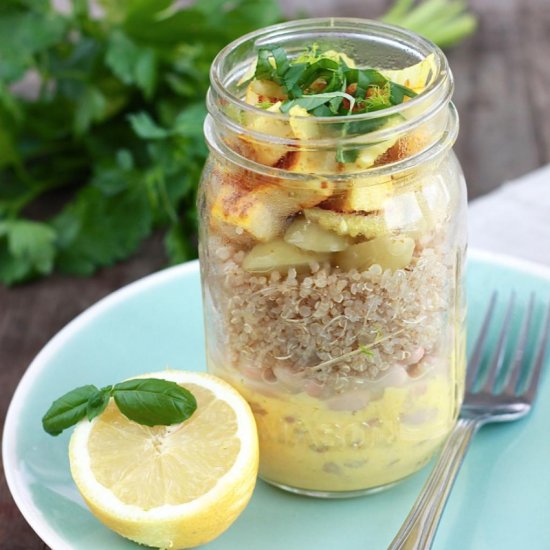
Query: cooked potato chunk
[388,252]
[262,207]
[354,225]
[263,91]
[417,76]
[303,124]
[263,151]
[364,195]
[308,235]
[279,256]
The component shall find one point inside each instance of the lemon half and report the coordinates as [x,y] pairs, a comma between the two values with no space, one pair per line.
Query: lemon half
[170,486]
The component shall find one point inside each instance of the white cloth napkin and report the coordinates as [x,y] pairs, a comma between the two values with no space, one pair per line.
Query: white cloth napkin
[515,218]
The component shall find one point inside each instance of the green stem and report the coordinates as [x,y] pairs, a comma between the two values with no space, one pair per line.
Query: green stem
[397,11]
[16,205]
[423,12]
[172,214]
[437,20]
[445,22]
[40,186]
[44,74]
[353,353]
[455,32]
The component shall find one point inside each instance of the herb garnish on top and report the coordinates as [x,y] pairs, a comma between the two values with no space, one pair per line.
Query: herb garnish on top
[325,85]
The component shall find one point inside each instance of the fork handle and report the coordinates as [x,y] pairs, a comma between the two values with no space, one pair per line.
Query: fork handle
[418,530]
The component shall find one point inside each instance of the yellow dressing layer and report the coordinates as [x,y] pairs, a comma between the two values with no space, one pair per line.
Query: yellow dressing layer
[306,444]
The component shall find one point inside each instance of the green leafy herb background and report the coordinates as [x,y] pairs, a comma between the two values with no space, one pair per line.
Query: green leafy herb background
[115,122]
[117,119]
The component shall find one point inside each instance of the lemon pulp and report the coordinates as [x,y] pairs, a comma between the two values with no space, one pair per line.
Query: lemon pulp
[176,464]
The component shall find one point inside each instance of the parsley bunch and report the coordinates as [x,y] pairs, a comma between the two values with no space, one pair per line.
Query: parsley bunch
[104,112]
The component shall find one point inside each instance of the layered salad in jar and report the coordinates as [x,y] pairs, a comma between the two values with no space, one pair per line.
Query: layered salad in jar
[332,300]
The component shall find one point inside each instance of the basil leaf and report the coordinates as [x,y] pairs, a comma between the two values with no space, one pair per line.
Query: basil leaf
[375,78]
[68,409]
[311,102]
[363,83]
[291,79]
[322,110]
[282,63]
[334,104]
[153,402]
[264,69]
[337,83]
[398,93]
[346,155]
[98,402]
[322,68]
[366,126]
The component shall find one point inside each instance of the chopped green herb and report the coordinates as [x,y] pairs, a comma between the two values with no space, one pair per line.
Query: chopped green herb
[264,104]
[347,155]
[324,85]
[365,350]
[398,93]
[332,100]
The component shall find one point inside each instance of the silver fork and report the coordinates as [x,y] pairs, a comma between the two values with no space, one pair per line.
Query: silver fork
[480,407]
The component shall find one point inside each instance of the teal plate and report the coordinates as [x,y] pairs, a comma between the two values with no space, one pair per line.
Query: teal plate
[501,498]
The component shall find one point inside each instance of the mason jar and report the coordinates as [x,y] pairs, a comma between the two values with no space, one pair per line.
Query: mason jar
[332,256]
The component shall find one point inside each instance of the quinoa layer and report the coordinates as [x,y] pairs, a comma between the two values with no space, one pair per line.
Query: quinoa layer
[317,324]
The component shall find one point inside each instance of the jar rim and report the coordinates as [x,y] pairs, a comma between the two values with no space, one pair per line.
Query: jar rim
[373,173]
[441,80]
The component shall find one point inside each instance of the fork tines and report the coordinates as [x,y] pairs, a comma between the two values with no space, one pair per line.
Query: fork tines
[523,368]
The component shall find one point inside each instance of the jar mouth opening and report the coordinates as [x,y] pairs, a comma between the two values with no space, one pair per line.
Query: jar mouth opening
[414,45]
[322,143]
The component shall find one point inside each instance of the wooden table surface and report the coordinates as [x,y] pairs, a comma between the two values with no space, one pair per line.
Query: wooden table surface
[503,96]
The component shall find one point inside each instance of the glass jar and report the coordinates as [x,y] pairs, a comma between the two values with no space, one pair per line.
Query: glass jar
[331,254]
